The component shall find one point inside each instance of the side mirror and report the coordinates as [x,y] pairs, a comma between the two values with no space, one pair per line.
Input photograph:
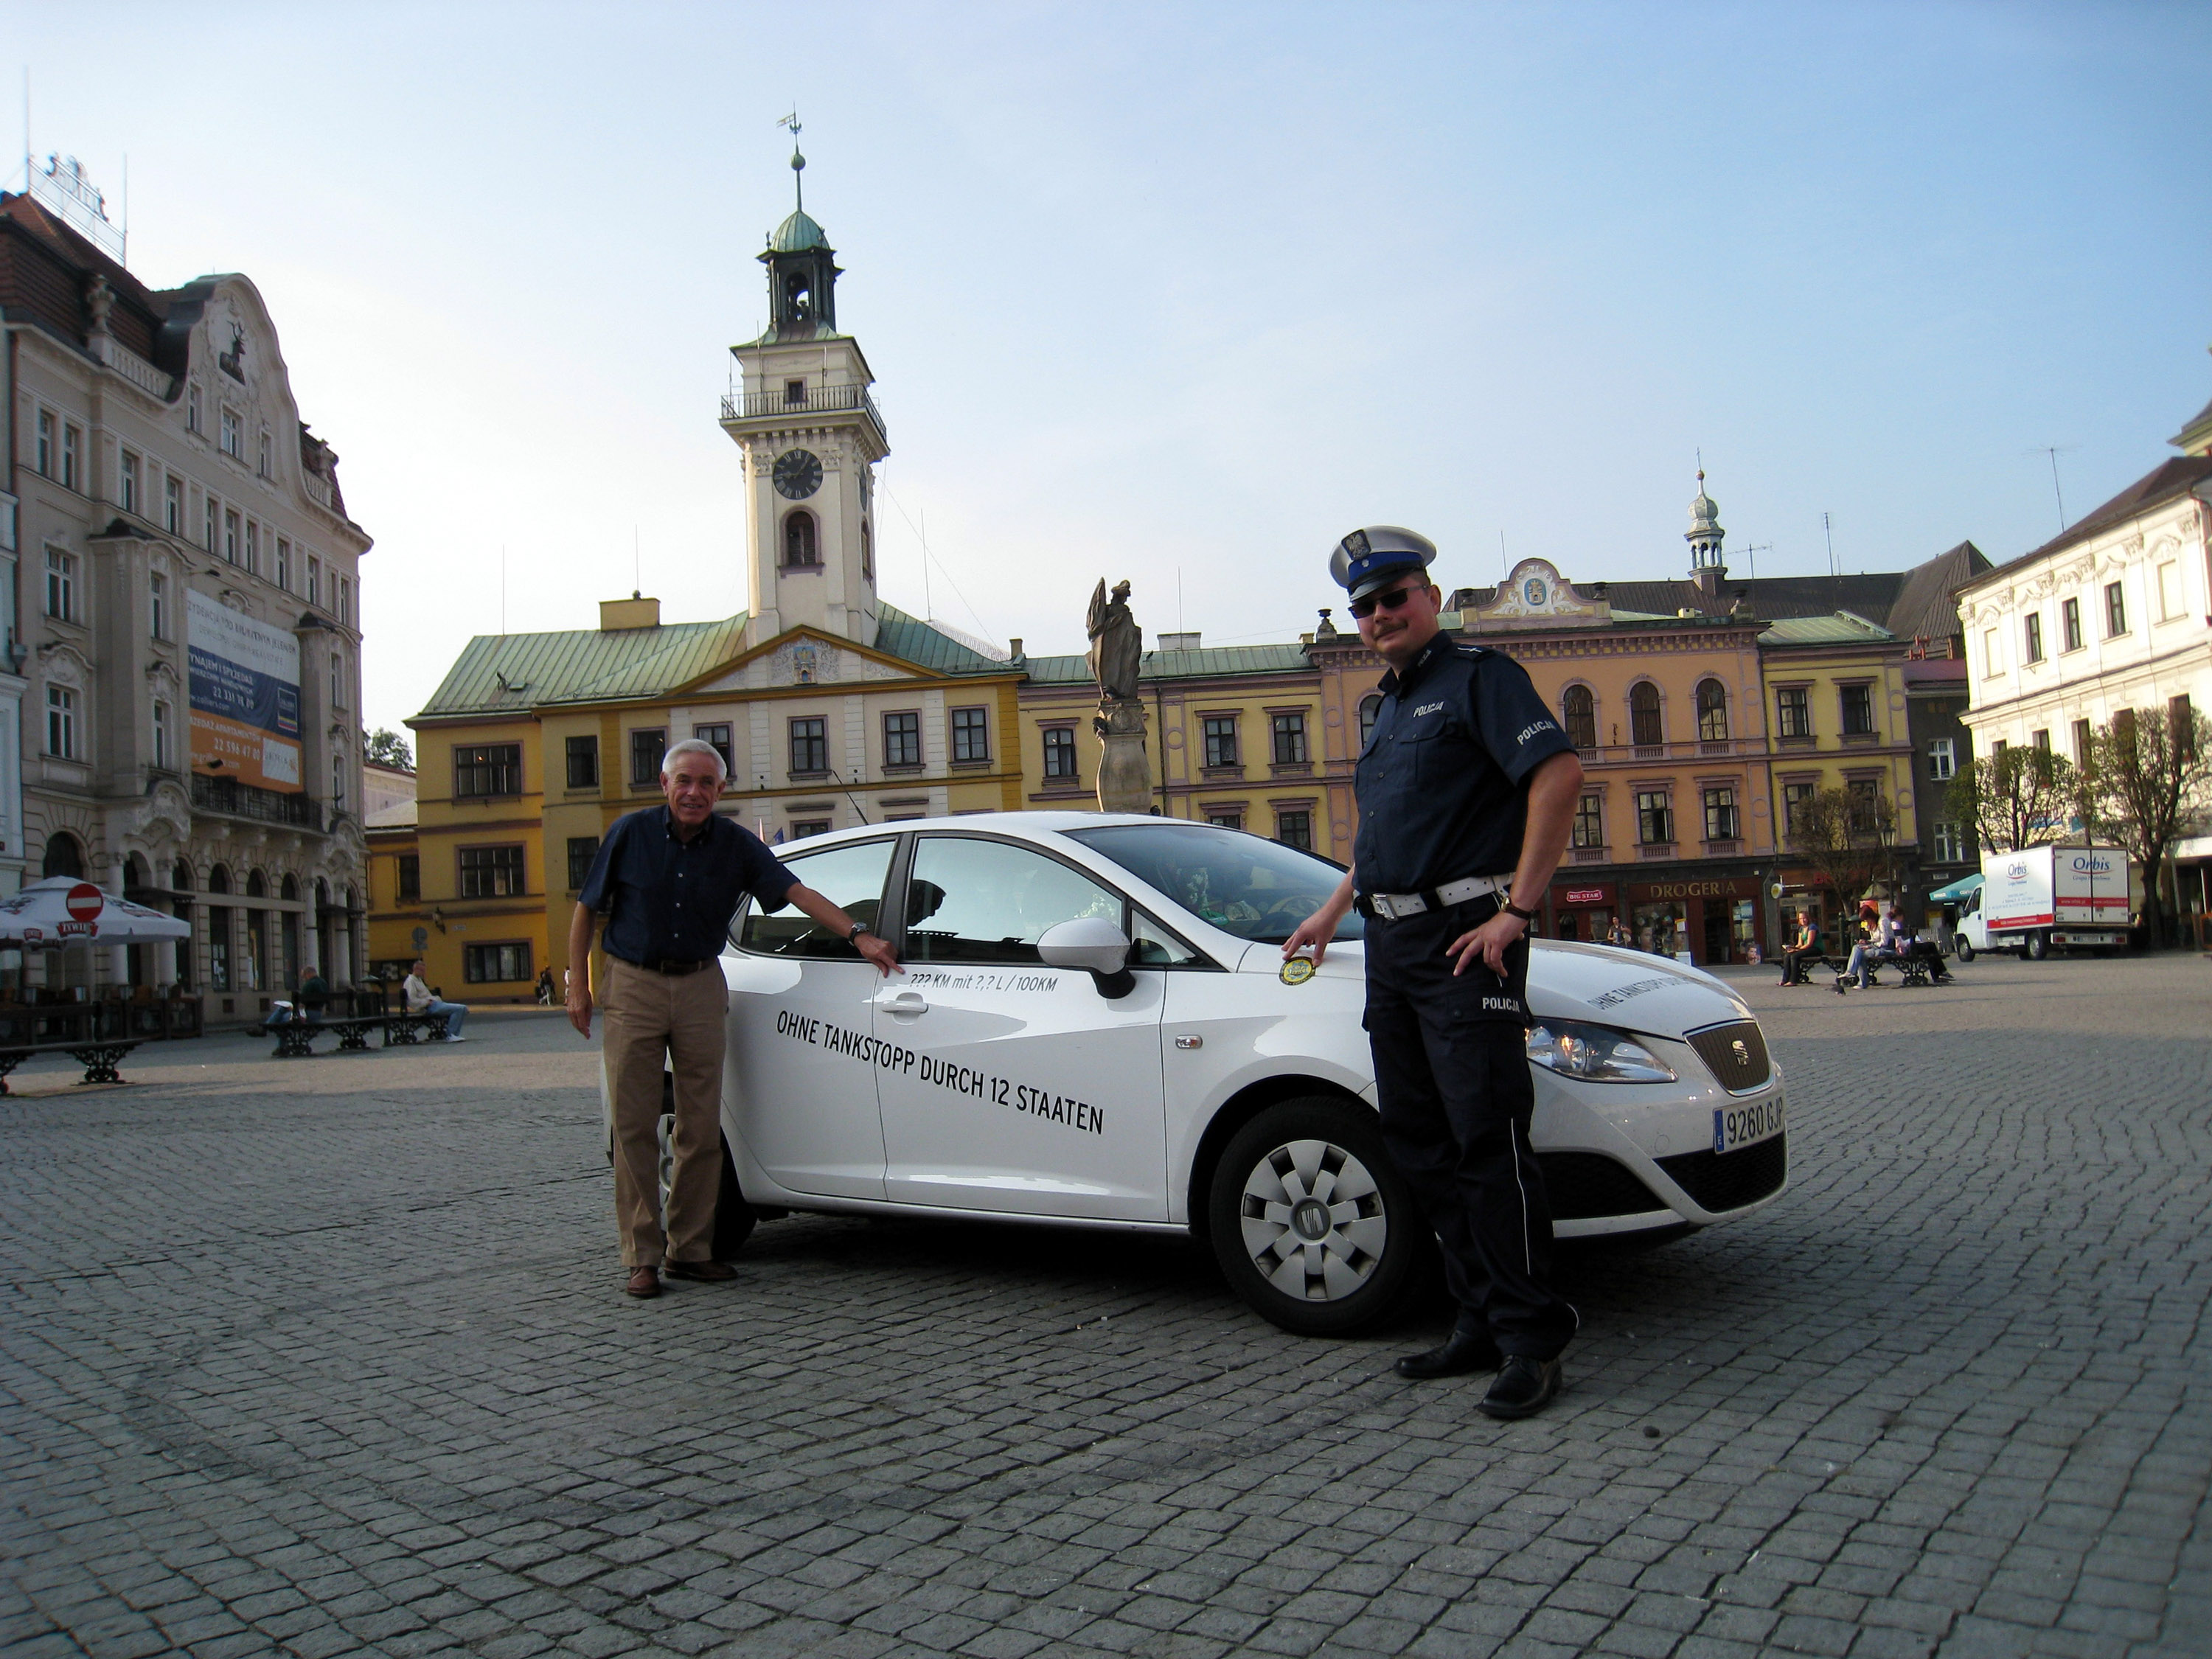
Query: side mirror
[1094,944]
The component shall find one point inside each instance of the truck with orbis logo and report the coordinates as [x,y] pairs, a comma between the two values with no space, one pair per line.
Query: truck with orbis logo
[2042,899]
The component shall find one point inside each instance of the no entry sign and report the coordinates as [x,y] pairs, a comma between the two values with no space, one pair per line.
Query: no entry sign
[84,901]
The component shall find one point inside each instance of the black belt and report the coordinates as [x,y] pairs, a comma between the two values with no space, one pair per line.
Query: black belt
[670,967]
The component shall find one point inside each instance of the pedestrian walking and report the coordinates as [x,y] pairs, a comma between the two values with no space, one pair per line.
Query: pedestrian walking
[1466,790]
[422,1000]
[668,879]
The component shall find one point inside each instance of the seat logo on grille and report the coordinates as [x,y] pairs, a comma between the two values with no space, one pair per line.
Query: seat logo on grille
[1743,1054]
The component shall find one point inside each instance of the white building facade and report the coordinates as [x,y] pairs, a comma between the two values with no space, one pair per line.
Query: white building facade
[160,471]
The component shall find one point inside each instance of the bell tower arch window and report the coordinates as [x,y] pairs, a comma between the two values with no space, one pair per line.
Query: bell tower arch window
[800,551]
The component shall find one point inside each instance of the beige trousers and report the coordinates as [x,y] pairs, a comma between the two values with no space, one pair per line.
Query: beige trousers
[646,1015]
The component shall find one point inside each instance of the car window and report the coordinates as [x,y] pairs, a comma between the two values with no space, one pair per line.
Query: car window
[969,900]
[850,876]
[1151,945]
[1255,889]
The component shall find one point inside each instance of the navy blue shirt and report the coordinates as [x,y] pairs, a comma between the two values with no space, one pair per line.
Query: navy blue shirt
[668,900]
[1442,782]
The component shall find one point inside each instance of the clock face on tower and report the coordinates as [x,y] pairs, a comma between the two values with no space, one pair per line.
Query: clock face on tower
[797,474]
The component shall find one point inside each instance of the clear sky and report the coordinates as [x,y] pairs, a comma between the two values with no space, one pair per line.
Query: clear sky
[1179,294]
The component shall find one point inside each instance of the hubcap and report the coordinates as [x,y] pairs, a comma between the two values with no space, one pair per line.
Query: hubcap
[1313,1220]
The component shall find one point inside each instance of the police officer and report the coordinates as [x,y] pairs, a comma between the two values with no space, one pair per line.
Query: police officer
[1466,790]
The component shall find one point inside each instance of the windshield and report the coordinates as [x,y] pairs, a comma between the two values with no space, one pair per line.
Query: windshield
[1257,889]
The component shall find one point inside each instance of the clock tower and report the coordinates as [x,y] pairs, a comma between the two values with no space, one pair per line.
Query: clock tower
[810,435]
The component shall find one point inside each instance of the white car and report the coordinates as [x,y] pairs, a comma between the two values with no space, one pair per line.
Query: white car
[1094,1027]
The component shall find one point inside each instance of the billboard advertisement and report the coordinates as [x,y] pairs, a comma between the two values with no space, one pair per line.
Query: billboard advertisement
[245,694]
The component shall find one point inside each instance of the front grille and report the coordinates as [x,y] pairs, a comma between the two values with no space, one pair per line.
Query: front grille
[1735,1053]
[1728,1181]
[1582,1186]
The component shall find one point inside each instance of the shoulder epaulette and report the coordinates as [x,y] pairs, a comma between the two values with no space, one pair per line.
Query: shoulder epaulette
[1470,648]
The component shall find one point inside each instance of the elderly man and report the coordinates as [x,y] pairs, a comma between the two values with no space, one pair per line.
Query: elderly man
[669,879]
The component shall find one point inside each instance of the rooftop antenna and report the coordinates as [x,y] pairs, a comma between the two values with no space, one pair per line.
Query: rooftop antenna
[1178,599]
[1504,563]
[636,566]
[928,605]
[1828,530]
[27,129]
[798,161]
[125,260]
[1747,551]
[2051,450]
[502,587]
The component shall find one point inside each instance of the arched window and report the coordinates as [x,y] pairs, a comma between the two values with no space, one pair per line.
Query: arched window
[181,879]
[1580,709]
[1712,712]
[867,552]
[1369,708]
[64,856]
[218,880]
[799,552]
[255,886]
[288,890]
[1644,716]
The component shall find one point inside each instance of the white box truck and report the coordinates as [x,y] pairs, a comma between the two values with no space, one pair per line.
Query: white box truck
[2042,899]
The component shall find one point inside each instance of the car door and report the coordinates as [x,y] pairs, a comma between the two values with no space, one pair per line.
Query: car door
[798,1094]
[1016,1087]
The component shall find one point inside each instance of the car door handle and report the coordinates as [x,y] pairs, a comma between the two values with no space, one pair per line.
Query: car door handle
[906,1004]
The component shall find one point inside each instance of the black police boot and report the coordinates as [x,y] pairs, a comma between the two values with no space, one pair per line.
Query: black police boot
[1463,1352]
[1524,1386]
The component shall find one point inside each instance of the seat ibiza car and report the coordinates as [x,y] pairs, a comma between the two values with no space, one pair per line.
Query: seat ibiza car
[1096,1028]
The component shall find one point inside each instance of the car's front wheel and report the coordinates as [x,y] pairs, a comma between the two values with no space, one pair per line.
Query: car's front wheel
[1964,948]
[1312,1224]
[733,1216]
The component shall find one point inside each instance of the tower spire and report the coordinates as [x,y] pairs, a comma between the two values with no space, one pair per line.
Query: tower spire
[1704,537]
[798,161]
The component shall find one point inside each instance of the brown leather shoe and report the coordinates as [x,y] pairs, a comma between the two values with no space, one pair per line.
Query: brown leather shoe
[643,1281]
[712,1271]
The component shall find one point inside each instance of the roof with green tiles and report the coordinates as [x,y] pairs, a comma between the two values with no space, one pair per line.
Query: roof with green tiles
[513,673]
[1207,662]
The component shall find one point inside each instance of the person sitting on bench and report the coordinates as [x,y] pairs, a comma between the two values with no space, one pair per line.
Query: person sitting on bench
[420,1000]
[1806,948]
[308,1001]
[1880,946]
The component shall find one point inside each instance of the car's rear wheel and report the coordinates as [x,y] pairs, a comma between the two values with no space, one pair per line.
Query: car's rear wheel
[1311,1223]
[2037,946]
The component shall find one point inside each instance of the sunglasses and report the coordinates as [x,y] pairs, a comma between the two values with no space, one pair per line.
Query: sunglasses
[1362,609]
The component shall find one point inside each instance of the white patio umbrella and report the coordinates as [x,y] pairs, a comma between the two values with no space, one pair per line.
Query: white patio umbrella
[61,910]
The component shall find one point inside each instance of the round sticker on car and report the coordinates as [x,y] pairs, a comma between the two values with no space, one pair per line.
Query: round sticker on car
[1296,971]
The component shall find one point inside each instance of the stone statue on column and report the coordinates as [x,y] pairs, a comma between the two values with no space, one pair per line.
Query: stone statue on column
[1125,775]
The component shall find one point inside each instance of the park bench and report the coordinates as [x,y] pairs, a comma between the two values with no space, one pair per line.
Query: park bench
[353,1015]
[98,1056]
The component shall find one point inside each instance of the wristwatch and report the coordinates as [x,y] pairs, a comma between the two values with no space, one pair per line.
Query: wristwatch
[859,928]
[1513,910]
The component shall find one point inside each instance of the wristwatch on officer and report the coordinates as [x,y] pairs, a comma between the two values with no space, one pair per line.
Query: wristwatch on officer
[859,928]
[1512,909]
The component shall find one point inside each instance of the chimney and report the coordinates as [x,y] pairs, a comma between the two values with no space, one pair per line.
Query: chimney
[1014,653]
[616,615]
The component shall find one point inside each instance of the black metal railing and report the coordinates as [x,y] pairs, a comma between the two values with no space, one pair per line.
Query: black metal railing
[816,400]
[246,800]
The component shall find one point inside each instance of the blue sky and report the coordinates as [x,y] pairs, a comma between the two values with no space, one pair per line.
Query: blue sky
[1181,293]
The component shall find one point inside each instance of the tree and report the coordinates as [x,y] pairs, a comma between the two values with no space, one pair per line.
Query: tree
[1846,835]
[385,747]
[2016,797]
[2149,782]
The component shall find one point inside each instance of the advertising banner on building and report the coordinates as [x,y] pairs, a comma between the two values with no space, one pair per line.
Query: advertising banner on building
[246,696]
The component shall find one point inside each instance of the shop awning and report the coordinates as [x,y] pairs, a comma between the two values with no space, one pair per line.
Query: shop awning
[1957,890]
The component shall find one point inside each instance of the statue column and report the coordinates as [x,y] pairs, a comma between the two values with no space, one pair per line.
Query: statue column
[1125,771]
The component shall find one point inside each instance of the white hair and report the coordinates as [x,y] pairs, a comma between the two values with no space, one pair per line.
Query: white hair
[675,751]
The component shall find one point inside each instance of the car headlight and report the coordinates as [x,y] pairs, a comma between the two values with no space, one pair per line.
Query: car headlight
[1595,1053]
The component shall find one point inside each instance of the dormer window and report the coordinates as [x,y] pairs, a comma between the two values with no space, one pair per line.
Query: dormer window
[799,552]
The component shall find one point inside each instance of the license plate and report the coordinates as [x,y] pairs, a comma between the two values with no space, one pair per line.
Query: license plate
[1735,1127]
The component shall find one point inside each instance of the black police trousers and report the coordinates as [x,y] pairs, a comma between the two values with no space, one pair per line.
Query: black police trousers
[1451,1075]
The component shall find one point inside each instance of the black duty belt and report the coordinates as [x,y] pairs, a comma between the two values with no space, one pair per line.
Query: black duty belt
[670,967]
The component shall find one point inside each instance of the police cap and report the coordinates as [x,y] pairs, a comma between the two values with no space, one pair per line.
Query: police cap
[1370,559]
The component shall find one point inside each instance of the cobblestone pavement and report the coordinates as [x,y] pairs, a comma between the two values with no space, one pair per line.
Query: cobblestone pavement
[328,1357]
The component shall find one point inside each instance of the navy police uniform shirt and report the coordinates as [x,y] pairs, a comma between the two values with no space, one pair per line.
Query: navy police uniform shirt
[672,900]
[1440,783]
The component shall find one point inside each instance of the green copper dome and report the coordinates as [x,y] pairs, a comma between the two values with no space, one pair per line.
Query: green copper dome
[798,234]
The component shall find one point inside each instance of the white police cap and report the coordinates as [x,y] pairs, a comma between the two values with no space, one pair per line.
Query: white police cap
[1370,559]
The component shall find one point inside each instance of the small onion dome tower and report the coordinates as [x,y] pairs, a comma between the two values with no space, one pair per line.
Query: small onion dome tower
[1707,568]
[802,266]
